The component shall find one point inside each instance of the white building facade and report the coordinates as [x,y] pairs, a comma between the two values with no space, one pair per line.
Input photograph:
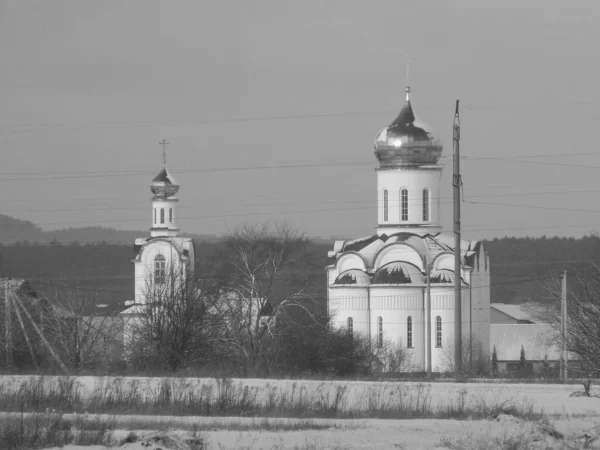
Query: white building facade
[377,285]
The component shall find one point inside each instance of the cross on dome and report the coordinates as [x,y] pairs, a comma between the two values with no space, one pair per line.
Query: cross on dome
[407,60]
[164,144]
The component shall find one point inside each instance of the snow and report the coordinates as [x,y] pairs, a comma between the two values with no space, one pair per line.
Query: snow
[551,399]
[365,434]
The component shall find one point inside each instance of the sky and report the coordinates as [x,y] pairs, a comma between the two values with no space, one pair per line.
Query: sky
[271,107]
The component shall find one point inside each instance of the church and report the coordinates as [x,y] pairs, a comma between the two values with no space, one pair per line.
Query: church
[378,285]
[164,261]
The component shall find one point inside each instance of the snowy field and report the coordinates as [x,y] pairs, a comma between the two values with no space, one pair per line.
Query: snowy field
[550,399]
[575,420]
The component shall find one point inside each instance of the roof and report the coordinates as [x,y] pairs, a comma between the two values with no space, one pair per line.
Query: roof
[353,277]
[18,286]
[407,140]
[164,176]
[515,311]
[164,185]
[429,245]
[398,273]
[182,244]
[537,340]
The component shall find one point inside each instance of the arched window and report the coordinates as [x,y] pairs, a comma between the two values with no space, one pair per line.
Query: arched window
[162,215]
[409,342]
[385,205]
[404,208]
[379,332]
[170,215]
[350,326]
[438,331]
[160,269]
[425,205]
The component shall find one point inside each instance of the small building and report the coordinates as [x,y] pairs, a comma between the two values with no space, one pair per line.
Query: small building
[503,313]
[540,343]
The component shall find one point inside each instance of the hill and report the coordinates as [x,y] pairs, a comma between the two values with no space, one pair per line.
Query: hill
[14,230]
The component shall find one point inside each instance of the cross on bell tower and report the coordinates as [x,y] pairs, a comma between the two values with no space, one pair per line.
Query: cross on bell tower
[164,144]
[407,60]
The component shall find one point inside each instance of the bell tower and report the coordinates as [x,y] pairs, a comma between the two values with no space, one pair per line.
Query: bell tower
[408,176]
[164,202]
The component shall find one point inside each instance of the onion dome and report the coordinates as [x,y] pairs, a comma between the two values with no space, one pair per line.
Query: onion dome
[407,140]
[398,272]
[353,277]
[164,185]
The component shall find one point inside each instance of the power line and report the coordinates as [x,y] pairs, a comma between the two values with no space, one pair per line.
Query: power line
[412,201]
[30,176]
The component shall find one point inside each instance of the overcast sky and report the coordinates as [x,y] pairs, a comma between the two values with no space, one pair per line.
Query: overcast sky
[88,88]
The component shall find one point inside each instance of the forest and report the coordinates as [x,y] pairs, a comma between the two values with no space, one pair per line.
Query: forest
[520,266]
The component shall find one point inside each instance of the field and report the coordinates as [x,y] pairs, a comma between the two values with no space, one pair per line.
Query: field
[194,413]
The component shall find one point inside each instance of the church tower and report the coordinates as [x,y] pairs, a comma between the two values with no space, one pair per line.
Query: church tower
[164,253]
[408,176]
[164,187]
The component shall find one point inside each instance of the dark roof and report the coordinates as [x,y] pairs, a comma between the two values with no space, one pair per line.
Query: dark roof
[355,277]
[403,125]
[163,177]
[395,273]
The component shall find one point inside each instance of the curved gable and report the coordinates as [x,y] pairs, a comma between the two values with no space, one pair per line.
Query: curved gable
[398,252]
[444,261]
[349,261]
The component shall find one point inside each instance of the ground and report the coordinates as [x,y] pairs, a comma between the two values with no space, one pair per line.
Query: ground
[547,417]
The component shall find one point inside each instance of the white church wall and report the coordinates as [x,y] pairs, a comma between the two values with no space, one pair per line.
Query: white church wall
[144,268]
[395,305]
[415,180]
[345,302]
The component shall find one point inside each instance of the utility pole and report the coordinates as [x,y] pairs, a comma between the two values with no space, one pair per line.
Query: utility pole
[457,183]
[428,318]
[7,325]
[563,327]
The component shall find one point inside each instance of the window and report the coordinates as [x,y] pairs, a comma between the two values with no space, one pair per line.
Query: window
[154,215]
[379,332]
[425,205]
[385,205]
[409,342]
[170,215]
[404,209]
[438,331]
[160,266]
[162,215]
[350,326]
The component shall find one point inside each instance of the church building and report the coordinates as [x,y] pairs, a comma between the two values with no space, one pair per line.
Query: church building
[163,260]
[163,254]
[378,285]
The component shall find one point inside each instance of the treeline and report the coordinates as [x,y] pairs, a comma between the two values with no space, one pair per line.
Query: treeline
[521,267]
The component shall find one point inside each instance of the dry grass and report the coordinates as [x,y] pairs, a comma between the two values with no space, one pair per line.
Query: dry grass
[181,397]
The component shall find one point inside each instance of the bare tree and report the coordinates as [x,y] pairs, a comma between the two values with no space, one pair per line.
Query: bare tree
[448,360]
[81,333]
[583,314]
[174,326]
[263,285]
